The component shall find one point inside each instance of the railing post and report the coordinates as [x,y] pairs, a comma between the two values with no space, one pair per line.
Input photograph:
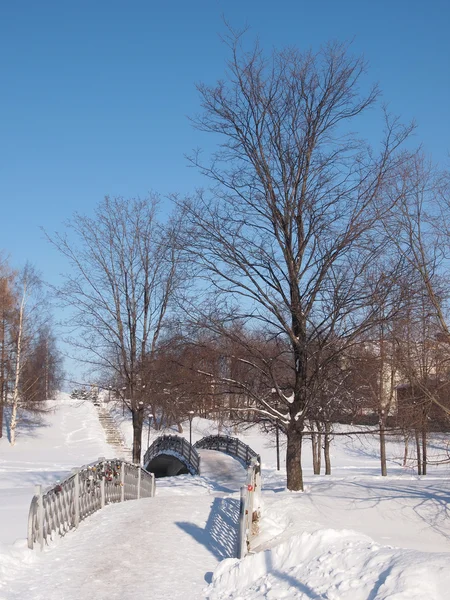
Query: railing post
[242,538]
[153,485]
[101,460]
[122,482]
[138,495]
[40,516]
[258,484]
[102,492]
[251,497]
[76,497]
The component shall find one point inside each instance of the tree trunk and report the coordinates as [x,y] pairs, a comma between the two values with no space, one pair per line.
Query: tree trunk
[419,458]
[326,449]
[405,454]
[294,472]
[424,450]
[382,424]
[316,441]
[46,369]
[138,422]
[15,398]
[2,375]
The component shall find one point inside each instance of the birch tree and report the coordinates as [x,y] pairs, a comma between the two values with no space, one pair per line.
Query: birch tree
[6,308]
[29,315]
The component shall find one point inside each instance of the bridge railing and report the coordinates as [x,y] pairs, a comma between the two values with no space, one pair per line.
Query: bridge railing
[250,507]
[230,445]
[61,507]
[177,446]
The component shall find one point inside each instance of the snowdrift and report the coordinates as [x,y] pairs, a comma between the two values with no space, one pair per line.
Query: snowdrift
[336,565]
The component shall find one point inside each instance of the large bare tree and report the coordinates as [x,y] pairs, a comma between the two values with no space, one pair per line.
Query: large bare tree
[284,239]
[123,274]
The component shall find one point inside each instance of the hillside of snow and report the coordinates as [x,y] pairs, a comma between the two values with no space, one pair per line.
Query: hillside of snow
[353,535]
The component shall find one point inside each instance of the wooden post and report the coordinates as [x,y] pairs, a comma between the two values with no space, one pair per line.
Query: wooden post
[122,482]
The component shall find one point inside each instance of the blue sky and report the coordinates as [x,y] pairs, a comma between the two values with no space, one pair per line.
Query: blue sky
[95,95]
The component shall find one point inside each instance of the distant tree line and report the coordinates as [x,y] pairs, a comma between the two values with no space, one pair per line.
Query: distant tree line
[30,362]
[306,285]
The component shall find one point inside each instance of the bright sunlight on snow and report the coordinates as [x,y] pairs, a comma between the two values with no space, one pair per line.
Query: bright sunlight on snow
[353,535]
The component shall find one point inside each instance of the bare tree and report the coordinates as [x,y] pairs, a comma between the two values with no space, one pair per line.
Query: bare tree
[42,371]
[29,315]
[124,272]
[7,301]
[418,226]
[284,236]
[423,358]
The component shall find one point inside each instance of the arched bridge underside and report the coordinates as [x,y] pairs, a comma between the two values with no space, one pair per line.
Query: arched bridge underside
[171,455]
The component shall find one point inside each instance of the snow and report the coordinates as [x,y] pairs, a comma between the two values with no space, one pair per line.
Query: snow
[127,551]
[47,447]
[351,536]
[332,564]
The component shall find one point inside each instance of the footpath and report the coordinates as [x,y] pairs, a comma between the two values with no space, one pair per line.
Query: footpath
[160,548]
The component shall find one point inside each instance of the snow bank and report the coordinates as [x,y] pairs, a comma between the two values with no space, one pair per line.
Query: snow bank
[336,565]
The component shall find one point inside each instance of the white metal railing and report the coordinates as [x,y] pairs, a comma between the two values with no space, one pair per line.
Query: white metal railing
[250,507]
[61,507]
[230,445]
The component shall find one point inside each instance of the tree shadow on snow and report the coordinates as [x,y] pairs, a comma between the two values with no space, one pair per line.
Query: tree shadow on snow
[29,423]
[220,534]
[291,581]
[429,501]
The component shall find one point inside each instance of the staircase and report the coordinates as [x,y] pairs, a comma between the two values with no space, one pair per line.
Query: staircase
[113,434]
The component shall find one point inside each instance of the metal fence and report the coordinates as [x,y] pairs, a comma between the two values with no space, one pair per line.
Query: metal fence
[250,507]
[230,445]
[88,489]
[177,446]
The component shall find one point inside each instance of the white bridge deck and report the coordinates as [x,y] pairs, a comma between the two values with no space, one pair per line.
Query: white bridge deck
[161,548]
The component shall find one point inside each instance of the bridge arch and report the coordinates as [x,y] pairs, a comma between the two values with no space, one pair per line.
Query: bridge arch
[229,445]
[171,455]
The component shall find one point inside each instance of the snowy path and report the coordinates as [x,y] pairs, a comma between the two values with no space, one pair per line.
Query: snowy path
[157,548]
[161,548]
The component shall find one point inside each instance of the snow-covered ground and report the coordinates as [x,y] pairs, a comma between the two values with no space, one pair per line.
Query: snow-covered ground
[351,536]
[48,446]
